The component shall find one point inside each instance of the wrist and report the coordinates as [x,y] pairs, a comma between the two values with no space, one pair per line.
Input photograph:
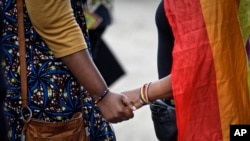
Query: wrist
[144,94]
[100,98]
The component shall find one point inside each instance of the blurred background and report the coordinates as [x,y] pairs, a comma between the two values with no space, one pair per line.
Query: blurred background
[132,37]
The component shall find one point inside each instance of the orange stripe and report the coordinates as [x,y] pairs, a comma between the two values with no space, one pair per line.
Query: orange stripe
[230,57]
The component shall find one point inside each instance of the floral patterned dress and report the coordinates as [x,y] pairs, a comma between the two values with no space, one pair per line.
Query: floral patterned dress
[53,93]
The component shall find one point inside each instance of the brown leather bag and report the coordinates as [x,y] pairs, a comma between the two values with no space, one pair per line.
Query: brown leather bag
[72,130]
[40,130]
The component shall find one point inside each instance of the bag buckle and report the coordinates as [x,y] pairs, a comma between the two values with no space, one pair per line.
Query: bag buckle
[25,111]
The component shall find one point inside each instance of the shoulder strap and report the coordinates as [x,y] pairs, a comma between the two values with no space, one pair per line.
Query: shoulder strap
[22,53]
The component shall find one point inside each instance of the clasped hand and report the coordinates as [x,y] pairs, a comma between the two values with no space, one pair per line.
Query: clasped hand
[116,107]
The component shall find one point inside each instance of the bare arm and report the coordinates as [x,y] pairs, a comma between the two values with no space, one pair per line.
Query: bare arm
[157,90]
[160,89]
[82,66]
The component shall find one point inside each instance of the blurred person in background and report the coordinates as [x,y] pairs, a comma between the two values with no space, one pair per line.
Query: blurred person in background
[209,75]
[99,17]
[62,78]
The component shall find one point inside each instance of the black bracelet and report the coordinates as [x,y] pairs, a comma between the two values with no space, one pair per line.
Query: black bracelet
[102,96]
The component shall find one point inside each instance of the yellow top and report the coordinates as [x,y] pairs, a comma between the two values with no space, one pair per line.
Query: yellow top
[54,20]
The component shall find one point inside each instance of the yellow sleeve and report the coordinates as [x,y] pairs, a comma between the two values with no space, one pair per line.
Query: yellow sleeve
[55,23]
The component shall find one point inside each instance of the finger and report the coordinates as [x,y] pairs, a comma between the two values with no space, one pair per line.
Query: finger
[114,120]
[124,114]
[128,103]
[132,103]
[119,119]
[127,113]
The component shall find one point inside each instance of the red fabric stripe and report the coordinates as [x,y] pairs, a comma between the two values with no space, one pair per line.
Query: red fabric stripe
[193,73]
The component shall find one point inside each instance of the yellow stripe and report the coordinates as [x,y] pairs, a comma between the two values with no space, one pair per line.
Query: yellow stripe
[244,16]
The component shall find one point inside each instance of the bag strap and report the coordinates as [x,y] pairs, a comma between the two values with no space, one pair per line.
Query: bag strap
[22,53]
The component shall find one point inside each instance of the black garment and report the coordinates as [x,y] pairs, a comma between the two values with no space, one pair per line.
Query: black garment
[104,59]
[163,112]
[165,42]
[3,127]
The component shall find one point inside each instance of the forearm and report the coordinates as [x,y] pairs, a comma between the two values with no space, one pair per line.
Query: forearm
[83,68]
[160,89]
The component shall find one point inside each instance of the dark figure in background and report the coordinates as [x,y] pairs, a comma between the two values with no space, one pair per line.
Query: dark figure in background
[3,126]
[163,111]
[99,17]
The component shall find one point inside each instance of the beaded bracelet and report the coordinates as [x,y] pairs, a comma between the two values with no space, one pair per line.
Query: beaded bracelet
[146,93]
[102,96]
[142,96]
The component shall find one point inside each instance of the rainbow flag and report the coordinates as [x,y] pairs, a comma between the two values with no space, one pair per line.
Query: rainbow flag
[210,66]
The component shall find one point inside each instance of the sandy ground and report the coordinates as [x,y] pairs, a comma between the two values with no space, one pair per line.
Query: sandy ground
[133,39]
